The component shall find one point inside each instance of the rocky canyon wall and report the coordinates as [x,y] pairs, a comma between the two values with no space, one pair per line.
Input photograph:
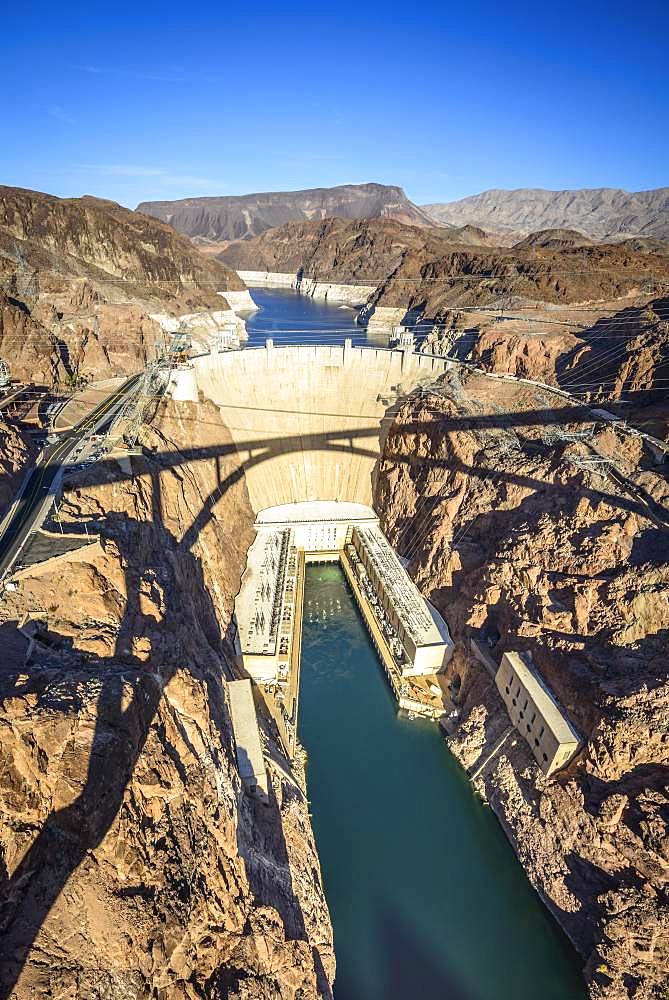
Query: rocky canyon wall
[133,863]
[521,541]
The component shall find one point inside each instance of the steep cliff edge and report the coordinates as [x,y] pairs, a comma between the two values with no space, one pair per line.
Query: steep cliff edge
[80,280]
[15,454]
[133,863]
[520,540]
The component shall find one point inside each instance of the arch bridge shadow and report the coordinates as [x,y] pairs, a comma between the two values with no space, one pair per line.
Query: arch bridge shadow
[122,726]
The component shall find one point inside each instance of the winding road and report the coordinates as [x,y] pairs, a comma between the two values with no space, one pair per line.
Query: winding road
[28,509]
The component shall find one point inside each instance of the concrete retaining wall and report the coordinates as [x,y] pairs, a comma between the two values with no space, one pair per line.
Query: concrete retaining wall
[330,291]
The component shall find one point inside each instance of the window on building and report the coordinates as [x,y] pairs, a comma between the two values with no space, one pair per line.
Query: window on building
[507,689]
[545,756]
[536,742]
[513,700]
[529,727]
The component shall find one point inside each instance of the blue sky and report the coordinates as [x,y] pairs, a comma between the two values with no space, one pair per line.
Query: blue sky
[148,101]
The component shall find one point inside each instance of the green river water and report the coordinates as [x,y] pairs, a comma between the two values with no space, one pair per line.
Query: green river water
[428,901]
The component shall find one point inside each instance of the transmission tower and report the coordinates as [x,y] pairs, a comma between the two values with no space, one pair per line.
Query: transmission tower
[132,415]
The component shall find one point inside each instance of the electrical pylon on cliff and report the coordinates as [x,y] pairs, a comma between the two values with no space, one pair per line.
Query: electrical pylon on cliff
[132,415]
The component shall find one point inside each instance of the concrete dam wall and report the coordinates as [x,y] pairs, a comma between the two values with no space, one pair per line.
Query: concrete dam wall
[307,420]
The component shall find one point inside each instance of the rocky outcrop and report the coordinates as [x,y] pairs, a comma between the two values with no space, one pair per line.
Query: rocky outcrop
[524,541]
[510,278]
[80,279]
[597,212]
[243,216]
[133,863]
[360,252]
[15,455]
[623,356]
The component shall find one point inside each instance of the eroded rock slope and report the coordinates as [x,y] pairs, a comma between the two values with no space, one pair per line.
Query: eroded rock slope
[133,864]
[522,539]
[80,280]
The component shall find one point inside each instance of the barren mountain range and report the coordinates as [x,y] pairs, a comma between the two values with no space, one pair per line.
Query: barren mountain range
[80,278]
[239,217]
[599,212]
[602,213]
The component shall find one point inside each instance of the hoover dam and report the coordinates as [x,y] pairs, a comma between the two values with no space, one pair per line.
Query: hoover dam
[308,420]
[308,424]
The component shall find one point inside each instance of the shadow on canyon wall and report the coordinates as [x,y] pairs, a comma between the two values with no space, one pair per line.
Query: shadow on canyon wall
[122,728]
[122,725]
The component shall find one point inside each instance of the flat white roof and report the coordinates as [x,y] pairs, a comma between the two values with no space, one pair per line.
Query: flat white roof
[315,510]
[250,760]
[409,604]
[256,604]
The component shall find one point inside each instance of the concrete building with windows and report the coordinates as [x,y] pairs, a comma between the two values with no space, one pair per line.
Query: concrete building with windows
[536,713]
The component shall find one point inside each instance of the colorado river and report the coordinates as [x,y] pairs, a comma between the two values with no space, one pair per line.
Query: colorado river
[427,897]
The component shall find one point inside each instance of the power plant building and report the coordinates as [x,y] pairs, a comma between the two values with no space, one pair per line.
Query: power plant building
[420,636]
[536,713]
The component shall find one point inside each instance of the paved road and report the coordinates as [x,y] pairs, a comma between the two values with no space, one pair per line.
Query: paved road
[28,509]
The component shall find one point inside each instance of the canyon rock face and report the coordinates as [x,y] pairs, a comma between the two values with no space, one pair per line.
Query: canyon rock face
[521,541]
[512,278]
[627,354]
[243,216]
[15,454]
[80,279]
[133,863]
[597,212]
[359,252]
[432,272]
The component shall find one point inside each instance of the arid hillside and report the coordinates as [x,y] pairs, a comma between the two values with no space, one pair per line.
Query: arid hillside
[133,863]
[507,278]
[598,212]
[79,279]
[434,270]
[15,455]
[524,538]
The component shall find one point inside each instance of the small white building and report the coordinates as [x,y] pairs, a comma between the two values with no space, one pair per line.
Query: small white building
[536,713]
[250,759]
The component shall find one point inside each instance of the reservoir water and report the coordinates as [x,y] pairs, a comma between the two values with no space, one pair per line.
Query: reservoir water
[428,900]
[289,318]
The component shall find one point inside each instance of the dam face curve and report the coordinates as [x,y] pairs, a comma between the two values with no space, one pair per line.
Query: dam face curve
[308,420]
